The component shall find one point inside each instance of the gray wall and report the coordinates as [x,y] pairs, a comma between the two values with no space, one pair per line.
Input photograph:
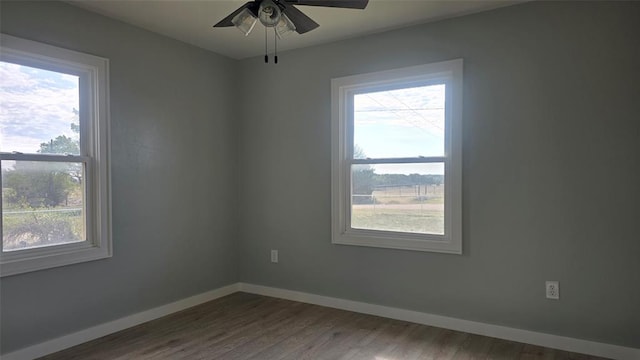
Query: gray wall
[173,177]
[551,172]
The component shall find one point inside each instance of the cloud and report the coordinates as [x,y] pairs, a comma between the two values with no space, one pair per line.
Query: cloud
[406,122]
[421,108]
[406,169]
[35,106]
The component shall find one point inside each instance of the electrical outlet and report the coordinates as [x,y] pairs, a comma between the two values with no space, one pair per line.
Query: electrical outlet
[553,290]
[274,256]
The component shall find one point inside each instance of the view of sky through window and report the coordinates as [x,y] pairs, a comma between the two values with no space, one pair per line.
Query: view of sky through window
[406,122]
[36,106]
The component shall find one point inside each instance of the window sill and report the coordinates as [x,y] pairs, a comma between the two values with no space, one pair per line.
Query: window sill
[402,241]
[24,261]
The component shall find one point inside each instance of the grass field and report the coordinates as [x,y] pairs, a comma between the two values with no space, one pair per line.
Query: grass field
[41,227]
[27,227]
[405,209]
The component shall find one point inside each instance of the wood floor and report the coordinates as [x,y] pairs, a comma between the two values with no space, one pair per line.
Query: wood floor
[246,326]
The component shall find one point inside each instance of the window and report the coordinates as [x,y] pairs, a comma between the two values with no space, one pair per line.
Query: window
[397,158]
[54,156]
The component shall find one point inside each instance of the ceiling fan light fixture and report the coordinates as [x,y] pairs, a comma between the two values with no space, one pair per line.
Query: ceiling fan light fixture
[269,13]
[282,16]
[245,21]
[284,26]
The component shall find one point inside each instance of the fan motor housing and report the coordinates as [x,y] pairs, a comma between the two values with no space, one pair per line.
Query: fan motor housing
[269,13]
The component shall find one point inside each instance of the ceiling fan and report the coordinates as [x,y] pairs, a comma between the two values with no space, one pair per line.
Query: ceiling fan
[281,15]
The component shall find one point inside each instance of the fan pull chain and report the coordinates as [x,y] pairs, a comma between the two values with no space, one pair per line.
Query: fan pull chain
[275,40]
[266,51]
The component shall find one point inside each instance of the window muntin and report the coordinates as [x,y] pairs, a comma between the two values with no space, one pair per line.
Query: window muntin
[395,135]
[54,156]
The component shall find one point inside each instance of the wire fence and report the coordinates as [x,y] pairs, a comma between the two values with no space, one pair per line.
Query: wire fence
[42,211]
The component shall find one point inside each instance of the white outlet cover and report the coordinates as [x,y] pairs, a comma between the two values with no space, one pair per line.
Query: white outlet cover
[552,290]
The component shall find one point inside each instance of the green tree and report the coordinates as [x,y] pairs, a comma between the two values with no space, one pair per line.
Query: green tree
[35,184]
[362,179]
[60,145]
[64,144]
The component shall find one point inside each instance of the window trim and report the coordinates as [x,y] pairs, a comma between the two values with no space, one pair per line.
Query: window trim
[94,144]
[342,90]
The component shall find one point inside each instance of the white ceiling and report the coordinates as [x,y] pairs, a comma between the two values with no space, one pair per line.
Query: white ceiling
[192,21]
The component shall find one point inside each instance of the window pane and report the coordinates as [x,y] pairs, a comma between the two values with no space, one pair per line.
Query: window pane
[398,197]
[399,123]
[38,110]
[42,204]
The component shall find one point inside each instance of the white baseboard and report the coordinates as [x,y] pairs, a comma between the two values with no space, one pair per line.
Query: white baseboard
[77,338]
[501,332]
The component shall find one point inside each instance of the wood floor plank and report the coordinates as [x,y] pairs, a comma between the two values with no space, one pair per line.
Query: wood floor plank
[475,347]
[385,341]
[360,328]
[417,343]
[276,334]
[176,338]
[148,335]
[332,338]
[237,335]
[445,346]
[284,349]
[533,352]
[504,349]
[251,327]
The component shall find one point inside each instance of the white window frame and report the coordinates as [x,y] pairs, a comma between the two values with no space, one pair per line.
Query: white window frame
[342,92]
[93,72]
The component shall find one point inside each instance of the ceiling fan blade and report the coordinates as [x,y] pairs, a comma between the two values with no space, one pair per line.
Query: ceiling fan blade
[227,21]
[347,4]
[302,22]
